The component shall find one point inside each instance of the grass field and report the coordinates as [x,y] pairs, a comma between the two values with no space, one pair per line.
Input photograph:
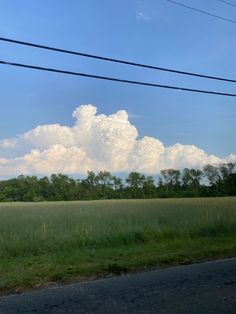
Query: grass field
[44,242]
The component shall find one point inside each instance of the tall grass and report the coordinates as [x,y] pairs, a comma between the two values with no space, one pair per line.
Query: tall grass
[31,232]
[39,228]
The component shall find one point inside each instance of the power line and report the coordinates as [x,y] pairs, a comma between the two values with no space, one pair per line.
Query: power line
[229,3]
[115,60]
[115,79]
[203,12]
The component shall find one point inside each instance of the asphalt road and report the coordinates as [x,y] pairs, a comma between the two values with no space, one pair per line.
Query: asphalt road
[199,288]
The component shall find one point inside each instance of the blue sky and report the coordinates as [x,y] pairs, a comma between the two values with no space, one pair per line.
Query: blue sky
[152,31]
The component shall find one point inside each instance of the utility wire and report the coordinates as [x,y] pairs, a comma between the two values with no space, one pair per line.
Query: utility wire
[203,12]
[115,60]
[115,79]
[229,3]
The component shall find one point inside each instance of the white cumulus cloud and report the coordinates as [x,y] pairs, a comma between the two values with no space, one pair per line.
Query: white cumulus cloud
[95,142]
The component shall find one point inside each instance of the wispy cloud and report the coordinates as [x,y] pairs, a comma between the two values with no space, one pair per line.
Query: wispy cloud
[134,116]
[142,17]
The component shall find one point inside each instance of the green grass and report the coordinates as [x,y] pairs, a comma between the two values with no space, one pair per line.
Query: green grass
[44,242]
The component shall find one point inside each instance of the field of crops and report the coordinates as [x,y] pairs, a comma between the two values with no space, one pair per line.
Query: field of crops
[43,242]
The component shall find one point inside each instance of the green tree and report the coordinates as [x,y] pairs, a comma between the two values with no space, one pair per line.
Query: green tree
[212,173]
[191,179]
[171,181]
[89,186]
[118,187]
[104,184]
[135,182]
[63,187]
[149,188]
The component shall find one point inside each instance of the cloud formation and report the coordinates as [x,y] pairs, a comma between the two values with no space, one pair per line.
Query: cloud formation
[95,142]
[140,16]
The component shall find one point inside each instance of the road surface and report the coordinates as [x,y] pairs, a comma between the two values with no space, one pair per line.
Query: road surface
[200,288]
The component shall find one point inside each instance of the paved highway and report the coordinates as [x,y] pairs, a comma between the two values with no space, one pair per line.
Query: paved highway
[199,288]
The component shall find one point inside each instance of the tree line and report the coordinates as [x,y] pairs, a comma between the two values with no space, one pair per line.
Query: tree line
[211,181]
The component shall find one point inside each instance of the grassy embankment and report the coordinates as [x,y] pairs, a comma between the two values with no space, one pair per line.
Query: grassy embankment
[42,242]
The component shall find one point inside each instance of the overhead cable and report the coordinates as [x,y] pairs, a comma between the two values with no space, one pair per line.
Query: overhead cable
[227,2]
[201,11]
[115,79]
[116,60]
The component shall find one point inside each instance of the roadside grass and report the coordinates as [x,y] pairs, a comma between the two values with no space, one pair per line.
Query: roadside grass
[66,241]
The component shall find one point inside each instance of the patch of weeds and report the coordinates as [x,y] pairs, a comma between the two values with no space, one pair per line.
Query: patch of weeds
[168,234]
[139,237]
[186,261]
[57,276]
[209,231]
[114,268]
[71,270]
